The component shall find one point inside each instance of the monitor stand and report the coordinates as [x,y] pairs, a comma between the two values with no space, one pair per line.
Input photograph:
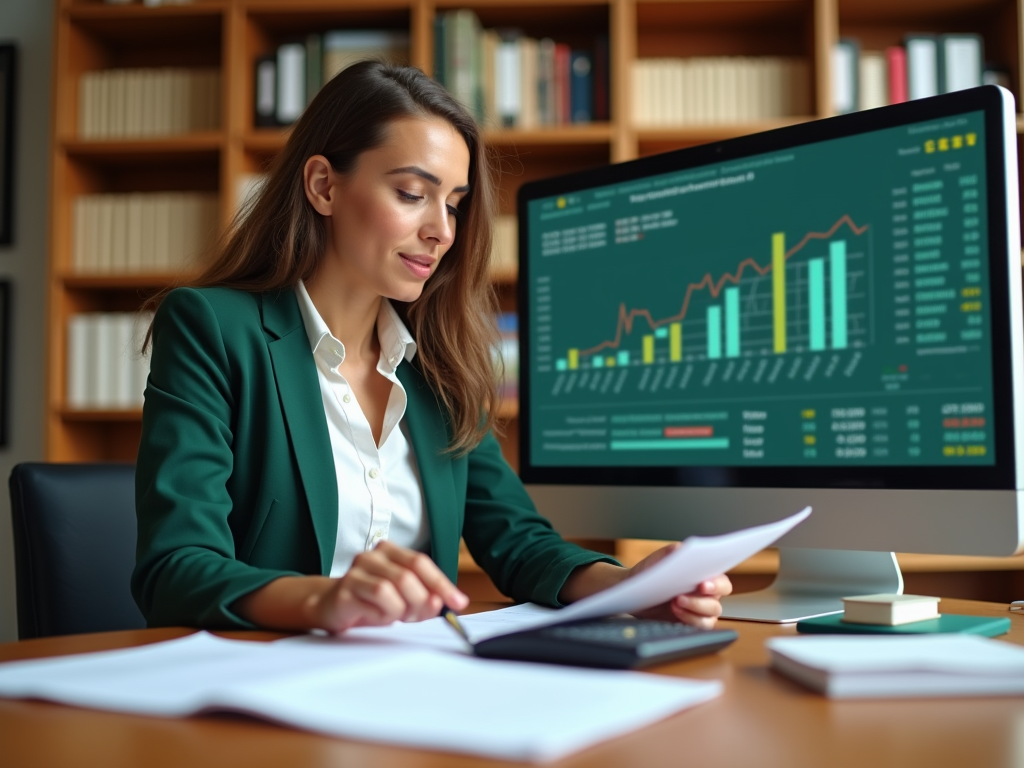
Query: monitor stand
[813,582]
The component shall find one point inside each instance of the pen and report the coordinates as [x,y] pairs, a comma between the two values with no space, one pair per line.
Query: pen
[453,618]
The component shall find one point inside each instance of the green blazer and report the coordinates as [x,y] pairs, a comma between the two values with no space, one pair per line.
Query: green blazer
[235,480]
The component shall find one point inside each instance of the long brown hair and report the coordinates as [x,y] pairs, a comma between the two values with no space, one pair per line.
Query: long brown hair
[278,238]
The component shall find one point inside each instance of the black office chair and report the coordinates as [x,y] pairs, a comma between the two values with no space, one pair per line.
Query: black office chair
[74,548]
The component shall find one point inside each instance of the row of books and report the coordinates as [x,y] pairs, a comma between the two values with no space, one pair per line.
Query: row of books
[141,231]
[925,65]
[718,89]
[106,369]
[137,103]
[510,80]
[289,78]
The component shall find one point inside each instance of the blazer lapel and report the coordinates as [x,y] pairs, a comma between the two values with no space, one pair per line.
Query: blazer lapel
[429,437]
[299,390]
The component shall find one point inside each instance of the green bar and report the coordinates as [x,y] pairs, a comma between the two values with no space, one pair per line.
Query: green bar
[661,333]
[816,286]
[597,362]
[732,322]
[622,358]
[714,332]
[837,267]
[701,443]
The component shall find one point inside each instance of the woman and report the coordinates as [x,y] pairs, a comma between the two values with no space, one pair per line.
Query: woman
[316,432]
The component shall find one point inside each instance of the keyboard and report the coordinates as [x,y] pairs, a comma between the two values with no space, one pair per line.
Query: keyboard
[614,643]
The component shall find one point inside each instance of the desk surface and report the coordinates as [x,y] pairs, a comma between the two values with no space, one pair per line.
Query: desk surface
[762,719]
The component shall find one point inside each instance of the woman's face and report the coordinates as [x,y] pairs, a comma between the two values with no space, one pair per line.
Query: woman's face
[394,215]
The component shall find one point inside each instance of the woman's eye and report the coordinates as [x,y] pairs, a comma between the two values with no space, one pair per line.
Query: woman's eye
[408,195]
[453,211]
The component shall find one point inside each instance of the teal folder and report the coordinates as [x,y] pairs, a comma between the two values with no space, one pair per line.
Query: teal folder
[947,622]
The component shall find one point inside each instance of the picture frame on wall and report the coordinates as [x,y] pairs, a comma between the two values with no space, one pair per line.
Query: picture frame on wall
[8,62]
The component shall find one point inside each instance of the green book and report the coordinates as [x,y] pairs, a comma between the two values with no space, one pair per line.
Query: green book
[946,623]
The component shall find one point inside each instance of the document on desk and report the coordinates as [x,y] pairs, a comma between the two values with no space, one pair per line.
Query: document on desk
[697,559]
[368,691]
[888,666]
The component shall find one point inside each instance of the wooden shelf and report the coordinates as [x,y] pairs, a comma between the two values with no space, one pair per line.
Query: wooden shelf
[133,415]
[714,132]
[197,145]
[154,280]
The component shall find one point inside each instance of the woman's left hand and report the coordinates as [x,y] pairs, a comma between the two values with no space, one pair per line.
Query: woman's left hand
[700,608]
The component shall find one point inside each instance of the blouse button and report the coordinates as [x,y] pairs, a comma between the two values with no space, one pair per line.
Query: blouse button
[347,399]
[374,473]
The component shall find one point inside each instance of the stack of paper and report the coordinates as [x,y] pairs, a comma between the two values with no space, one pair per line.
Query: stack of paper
[367,691]
[844,667]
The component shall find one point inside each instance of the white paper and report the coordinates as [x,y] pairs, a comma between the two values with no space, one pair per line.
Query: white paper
[697,559]
[367,690]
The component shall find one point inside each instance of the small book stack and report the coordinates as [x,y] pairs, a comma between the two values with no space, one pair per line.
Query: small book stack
[889,610]
[145,103]
[900,667]
[288,78]
[718,89]
[106,369]
[510,80]
[142,231]
[925,65]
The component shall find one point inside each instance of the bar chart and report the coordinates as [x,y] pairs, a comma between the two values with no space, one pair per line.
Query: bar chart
[786,304]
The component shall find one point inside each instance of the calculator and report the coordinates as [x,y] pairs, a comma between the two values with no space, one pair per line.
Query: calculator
[613,643]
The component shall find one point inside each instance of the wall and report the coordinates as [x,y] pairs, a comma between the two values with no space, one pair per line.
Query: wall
[29,24]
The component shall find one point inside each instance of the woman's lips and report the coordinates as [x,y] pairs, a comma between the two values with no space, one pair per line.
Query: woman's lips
[419,265]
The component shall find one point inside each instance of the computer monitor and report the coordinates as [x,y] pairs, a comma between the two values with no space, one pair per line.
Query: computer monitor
[827,314]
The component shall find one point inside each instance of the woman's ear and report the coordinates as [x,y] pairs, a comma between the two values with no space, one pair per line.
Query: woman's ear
[318,182]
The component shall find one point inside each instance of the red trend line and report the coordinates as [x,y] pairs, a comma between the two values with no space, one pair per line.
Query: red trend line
[627,317]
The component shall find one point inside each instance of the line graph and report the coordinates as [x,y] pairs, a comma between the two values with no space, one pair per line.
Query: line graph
[627,317]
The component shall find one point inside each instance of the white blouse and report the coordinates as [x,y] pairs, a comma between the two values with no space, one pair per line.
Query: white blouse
[379,491]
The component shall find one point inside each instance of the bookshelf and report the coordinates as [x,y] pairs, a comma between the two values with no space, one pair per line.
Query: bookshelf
[231,34]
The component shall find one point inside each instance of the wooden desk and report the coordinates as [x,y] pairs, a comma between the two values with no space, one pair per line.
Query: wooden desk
[761,720]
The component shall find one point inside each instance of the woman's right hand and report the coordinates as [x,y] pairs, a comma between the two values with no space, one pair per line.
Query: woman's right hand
[386,584]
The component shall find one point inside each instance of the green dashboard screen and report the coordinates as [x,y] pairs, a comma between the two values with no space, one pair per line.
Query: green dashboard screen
[823,305]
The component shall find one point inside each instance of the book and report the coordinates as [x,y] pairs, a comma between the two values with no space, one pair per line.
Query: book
[105,368]
[896,60]
[947,623]
[602,110]
[889,609]
[342,48]
[265,98]
[872,78]
[314,65]
[922,66]
[291,82]
[900,667]
[581,86]
[844,76]
[962,62]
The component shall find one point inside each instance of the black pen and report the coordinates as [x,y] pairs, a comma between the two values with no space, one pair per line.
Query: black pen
[453,619]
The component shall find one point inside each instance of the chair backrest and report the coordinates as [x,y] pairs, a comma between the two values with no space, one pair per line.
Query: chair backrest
[74,548]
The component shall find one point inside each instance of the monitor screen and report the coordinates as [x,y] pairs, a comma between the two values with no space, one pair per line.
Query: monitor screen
[825,305]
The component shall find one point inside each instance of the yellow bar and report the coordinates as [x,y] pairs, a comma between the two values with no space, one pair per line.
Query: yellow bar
[609,362]
[779,290]
[675,342]
[574,359]
[648,349]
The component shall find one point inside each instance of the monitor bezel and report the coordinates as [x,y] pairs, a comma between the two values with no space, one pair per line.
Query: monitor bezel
[993,101]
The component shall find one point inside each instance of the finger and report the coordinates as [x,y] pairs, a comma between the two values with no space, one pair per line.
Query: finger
[429,574]
[378,592]
[720,586]
[693,619]
[419,602]
[700,606]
